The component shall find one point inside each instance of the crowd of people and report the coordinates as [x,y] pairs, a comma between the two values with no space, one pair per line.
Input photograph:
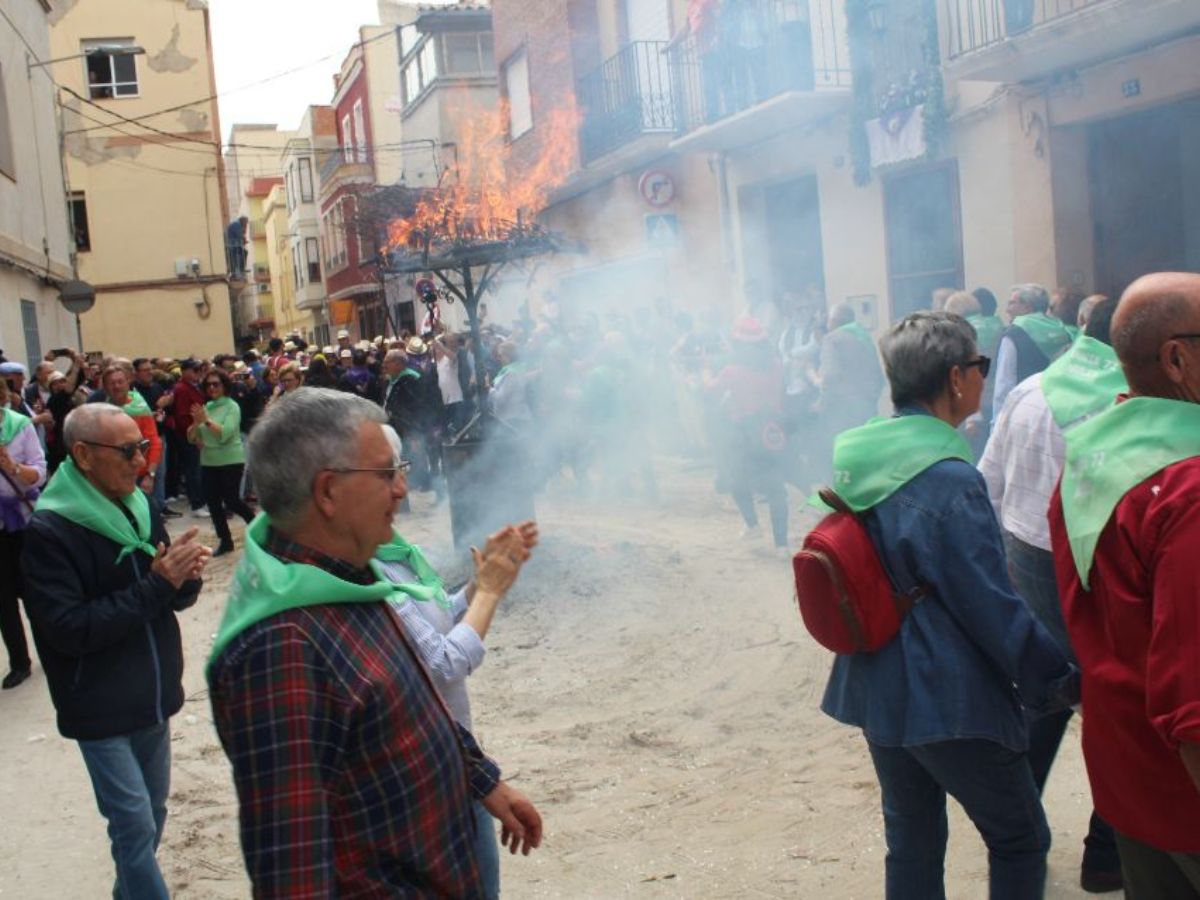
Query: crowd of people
[1056,569]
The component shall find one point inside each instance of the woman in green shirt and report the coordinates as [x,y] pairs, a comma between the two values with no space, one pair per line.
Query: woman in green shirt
[216,430]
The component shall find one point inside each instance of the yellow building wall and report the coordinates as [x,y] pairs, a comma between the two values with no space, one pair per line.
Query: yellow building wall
[382,60]
[154,189]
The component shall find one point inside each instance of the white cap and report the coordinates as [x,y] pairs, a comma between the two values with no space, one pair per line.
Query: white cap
[343,334]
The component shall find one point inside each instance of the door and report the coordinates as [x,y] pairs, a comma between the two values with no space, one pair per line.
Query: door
[794,252]
[924,235]
[1144,179]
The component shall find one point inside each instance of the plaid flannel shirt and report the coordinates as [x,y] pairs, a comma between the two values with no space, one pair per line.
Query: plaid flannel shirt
[352,778]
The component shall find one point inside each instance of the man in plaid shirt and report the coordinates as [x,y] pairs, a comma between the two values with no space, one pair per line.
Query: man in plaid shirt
[352,777]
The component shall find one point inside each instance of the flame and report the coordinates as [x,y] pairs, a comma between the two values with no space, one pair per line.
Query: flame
[483,196]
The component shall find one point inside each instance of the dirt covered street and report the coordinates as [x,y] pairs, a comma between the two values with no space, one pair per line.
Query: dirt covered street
[648,684]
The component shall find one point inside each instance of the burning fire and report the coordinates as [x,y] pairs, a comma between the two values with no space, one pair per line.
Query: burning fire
[481,199]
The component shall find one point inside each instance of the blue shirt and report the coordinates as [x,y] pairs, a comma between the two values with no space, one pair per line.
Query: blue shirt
[970,658]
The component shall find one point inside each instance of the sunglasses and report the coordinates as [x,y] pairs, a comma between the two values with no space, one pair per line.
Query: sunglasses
[387,474]
[983,362]
[213,384]
[128,451]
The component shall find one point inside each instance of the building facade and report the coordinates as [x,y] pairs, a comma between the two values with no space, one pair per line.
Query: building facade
[145,173]
[35,242]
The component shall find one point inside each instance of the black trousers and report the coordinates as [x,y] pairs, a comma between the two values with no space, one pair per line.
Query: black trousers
[222,492]
[1153,874]
[11,626]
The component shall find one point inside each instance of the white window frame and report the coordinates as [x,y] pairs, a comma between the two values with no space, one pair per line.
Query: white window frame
[347,139]
[360,131]
[520,107]
[306,180]
[113,85]
[312,256]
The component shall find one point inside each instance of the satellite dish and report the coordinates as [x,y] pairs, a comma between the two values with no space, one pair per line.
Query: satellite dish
[77,296]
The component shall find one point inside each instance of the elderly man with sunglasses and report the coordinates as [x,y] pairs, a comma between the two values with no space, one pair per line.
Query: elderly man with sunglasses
[103,585]
[353,778]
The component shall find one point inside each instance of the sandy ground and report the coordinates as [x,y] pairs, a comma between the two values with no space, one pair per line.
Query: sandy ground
[649,684]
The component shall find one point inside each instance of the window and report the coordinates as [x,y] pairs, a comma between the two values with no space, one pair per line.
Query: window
[516,90]
[77,208]
[7,162]
[313,254]
[29,322]
[347,140]
[306,181]
[297,278]
[429,66]
[360,131]
[465,53]
[412,81]
[290,186]
[111,69]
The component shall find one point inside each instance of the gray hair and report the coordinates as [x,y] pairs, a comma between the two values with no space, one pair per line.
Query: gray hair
[920,350]
[1034,296]
[396,355]
[962,303]
[301,434]
[84,422]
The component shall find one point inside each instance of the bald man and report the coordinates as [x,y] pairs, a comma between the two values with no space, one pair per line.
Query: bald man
[1125,530]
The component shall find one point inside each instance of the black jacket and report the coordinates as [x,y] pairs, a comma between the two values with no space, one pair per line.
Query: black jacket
[106,633]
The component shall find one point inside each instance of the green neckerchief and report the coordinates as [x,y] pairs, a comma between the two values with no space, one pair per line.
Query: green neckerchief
[510,368]
[1112,453]
[407,373]
[1083,381]
[428,586]
[859,332]
[264,586]
[872,462]
[1047,332]
[987,332]
[1074,331]
[73,497]
[136,406]
[11,425]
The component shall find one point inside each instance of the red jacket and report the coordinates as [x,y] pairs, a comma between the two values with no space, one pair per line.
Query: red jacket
[1137,636]
[186,396]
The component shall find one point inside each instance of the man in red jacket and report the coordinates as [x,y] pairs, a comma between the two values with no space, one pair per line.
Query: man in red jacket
[188,394]
[1125,525]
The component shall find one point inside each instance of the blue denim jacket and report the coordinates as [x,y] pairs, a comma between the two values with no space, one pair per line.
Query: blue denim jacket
[970,658]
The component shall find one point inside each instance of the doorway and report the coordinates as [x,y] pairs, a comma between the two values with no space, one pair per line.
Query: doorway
[924,235]
[1144,181]
[786,254]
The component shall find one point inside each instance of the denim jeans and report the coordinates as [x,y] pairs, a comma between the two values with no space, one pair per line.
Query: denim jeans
[1032,572]
[487,851]
[994,785]
[192,474]
[160,479]
[131,776]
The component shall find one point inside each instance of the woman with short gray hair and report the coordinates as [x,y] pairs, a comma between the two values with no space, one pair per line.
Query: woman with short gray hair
[943,706]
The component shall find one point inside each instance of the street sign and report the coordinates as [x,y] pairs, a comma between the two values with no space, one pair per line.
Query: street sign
[662,231]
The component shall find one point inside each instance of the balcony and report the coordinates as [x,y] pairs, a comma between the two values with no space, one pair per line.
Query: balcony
[1023,40]
[789,65]
[627,97]
[347,165]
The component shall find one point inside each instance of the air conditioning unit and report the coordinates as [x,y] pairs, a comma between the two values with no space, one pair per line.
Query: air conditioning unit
[263,288]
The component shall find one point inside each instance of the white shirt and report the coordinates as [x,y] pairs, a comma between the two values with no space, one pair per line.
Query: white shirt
[1023,461]
[447,369]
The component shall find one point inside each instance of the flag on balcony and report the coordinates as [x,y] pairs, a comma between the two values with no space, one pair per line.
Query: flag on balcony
[897,137]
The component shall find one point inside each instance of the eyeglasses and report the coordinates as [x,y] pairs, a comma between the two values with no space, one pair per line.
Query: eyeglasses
[128,451]
[213,384]
[1187,336]
[387,474]
[983,362]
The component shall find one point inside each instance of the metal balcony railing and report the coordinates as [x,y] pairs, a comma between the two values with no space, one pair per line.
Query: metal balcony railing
[974,24]
[764,49]
[628,96]
[344,156]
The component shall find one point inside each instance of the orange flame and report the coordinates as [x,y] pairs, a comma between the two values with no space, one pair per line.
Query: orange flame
[485,194]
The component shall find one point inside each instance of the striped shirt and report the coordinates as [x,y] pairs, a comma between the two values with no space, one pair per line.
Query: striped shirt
[353,780]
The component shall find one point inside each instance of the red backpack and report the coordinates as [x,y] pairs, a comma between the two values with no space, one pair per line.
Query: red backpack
[846,599]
